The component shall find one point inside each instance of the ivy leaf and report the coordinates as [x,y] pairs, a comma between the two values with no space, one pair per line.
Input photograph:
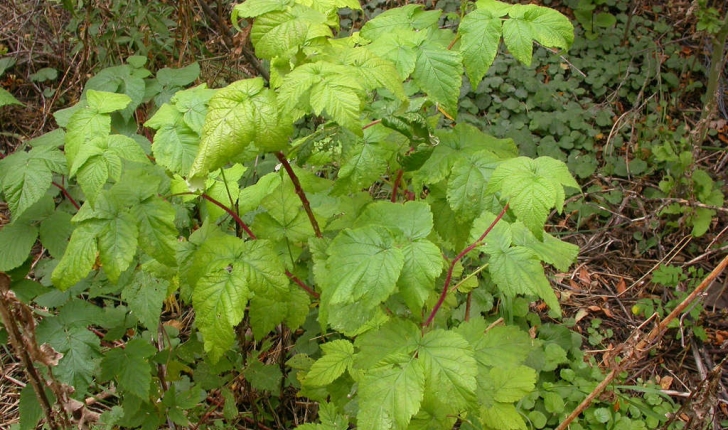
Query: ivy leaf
[338,357]
[145,295]
[242,113]
[389,396]
[438,72]
[18,239]
[517,270]
[78,259]
[157,231]
[480,33]
[450,367]
[130,367]
[367,265]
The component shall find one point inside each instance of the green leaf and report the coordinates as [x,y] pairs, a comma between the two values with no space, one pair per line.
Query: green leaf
[367,265]
[17,240]
[518,37]
[157,231]
[105,102]
[78,260]
[371,71]
[130,367]
[283,32]
[8,99]
[394,338]
[552,250]
[517,270]
[241,114]
[400,47]
[264,377]
[192,103]
[362,166]
[175,146]
[389,396]
[450,367]
[55,232]
[466,189]
[480,33]
[267,312]
[701,220]
[423,263]
[127,148]
[390,21]
[413,219]
[550,28]
[84,125]
[123,79]
[324,87]
[145,295]
[26,176]
[500,347]
[338,357]
[438,72]
[180,77]
[508,385]
[253,8]
[502,416]
[117,242]
[29,408]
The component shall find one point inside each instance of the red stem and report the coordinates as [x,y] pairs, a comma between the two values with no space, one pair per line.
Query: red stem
[68,196]
[232,213]
[463,253]
[299,190]
[396,185]
[247,230]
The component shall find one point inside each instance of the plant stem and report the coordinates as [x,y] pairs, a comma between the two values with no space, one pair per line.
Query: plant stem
[299,190]
[463,253]
[65,194]
[231,212]
[396,185]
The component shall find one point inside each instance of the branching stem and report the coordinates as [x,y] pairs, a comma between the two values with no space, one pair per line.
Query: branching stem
[463,253]
[65,194]
[301,194]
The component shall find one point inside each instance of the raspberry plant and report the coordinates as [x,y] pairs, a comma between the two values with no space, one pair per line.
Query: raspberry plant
[385,223]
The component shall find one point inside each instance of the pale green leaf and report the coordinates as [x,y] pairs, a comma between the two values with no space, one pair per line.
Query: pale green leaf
[282,32]
[117,242]
[338,357]
[241,114]
[175,147]
[502,416]
[17,239]
[263,269]
[450,367]
[466,189]
[362,166]
[423,263]
[157,231]
[192,103]
[500,236]
[393,338]
[438,72]
[145,295]
[367,266]
[552,250]
[389,21]
[85,124]
[500,347]
[24,180]
[78,260]
[413,219]
[373,72]
[390,396]
[550,28]
[480,33]
[518,37]
[253,8]
[8,99]
[400,47]
[178,77]
[509,384]
[106,102]
[130,367]
[518,270]
[127,148]
[267,312]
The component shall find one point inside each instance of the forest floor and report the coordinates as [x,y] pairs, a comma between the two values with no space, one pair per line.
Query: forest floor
[625,241]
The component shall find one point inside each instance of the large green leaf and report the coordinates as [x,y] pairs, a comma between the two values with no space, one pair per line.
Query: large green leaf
[117,242]
[552,250]
[268,312]
[79,258]
[518,37]
[423,263]
[438,72]
[450,367]
[282,32]
[367,265]
[394,338]
[362,166]
[130,367]
[517,270]
[26,176]
[498,347]
[389,396]
[371,71]
[241,114]
[253,8]
[550,28]
[400,47]
[466,189]
[480,32]
[157,231]
[390,21]
[338,357]
[413,219]
[17,240]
